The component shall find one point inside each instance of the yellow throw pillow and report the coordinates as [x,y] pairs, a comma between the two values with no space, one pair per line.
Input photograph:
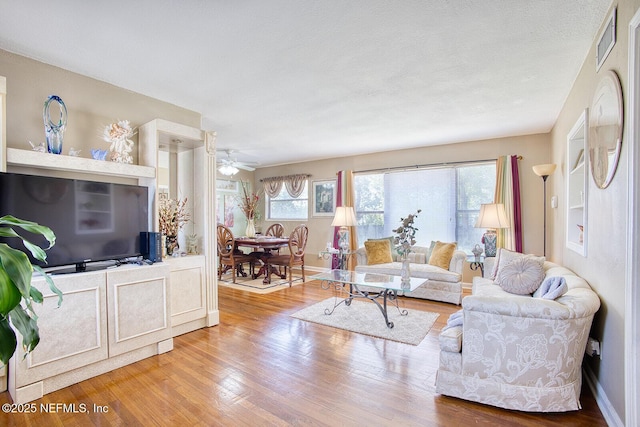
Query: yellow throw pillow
[378,251]
[442,254]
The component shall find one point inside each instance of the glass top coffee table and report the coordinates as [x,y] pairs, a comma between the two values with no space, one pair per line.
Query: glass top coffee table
[372,286]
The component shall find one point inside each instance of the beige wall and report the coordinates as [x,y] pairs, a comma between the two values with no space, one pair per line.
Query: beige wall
[91,105]
[605,263]
[535,149]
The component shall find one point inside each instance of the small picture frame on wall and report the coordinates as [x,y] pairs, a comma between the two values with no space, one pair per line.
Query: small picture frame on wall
[606,40]
[324,197]
[226,185]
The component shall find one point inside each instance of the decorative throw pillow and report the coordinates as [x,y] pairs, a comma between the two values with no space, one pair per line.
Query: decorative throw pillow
[505,256]
[391,239]
[521,276]
[378,251]
[442,254]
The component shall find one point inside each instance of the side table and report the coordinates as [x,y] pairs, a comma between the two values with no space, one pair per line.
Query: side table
[476,263]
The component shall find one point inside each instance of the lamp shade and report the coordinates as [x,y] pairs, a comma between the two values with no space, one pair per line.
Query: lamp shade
[492,215]
[345,217]
[544,170]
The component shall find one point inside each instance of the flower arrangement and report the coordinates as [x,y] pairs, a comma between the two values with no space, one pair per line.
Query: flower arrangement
[119,135]
[172,216]
[405,234]
[249,201]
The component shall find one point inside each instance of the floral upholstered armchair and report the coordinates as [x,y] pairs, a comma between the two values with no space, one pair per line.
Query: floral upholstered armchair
[516,347]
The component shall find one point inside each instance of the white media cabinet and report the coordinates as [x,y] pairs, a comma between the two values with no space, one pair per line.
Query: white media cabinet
[114,317]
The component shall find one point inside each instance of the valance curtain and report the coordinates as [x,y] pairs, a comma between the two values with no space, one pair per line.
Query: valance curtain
[508,193]
[345,196]
[293,183]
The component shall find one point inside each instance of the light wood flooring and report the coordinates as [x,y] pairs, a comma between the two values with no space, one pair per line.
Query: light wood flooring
[261,367]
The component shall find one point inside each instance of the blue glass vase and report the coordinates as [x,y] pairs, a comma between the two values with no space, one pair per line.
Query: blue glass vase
[54,132]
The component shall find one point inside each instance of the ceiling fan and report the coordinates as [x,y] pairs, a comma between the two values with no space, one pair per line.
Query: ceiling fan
[230,166]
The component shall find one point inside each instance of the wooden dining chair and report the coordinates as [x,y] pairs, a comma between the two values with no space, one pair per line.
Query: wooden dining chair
[295,257]
[275,230]
[229,256]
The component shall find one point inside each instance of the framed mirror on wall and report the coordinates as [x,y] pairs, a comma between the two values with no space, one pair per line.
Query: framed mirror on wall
[605,129]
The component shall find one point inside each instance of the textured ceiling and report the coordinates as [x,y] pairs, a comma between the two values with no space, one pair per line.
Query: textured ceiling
[290,80]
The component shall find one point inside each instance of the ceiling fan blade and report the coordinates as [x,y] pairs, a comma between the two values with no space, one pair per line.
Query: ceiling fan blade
[245,167]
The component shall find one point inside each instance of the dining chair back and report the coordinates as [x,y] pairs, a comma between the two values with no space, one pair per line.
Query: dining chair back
[229,256]
[295,257]
[275,230]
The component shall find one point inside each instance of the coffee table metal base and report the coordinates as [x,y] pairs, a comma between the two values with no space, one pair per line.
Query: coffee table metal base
[353,291]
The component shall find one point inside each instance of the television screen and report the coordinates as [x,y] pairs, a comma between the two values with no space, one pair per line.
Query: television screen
[92,221]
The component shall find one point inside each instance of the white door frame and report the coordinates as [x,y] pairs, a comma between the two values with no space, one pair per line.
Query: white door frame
[632,290]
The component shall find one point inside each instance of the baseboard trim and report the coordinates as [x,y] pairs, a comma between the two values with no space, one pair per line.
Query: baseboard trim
[608,411]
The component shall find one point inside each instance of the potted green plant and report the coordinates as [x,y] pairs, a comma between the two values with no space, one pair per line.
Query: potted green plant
[15,286]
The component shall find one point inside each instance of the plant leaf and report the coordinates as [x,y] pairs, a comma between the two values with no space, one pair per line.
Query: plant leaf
[52,286]
[18,268]
[27,326]
[8,341]
[31,227]
[9,294]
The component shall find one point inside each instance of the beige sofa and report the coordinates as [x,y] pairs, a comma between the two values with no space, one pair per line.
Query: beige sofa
[519,352]
[442,285]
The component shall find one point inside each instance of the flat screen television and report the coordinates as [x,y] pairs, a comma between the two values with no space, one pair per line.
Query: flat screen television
[93,221]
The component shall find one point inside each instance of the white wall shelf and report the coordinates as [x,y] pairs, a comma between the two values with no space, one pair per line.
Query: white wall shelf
[35,159]
[577,174]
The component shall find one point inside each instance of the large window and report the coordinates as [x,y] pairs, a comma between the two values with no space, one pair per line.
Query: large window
[449,197]
[284,206]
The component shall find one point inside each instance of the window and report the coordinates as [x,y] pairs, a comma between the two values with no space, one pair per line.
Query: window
[283,206]
[449,197]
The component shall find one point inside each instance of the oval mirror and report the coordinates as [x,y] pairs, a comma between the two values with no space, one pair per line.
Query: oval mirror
[605,129]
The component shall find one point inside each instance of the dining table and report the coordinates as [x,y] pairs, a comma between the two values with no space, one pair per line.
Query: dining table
[263,246]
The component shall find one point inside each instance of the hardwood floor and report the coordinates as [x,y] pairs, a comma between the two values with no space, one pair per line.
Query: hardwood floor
[261,367]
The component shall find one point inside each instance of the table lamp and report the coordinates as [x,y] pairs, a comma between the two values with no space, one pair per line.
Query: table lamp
[492,216]
[345,217]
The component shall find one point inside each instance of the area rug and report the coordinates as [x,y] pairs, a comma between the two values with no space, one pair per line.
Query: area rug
[256,286]
[364,317]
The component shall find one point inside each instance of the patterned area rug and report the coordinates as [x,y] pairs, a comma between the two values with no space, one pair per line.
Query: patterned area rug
[256,286]
[364,317]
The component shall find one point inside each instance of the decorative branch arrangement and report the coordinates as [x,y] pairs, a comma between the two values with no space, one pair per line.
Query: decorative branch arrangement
[406,233]
[249,201]
[172,215]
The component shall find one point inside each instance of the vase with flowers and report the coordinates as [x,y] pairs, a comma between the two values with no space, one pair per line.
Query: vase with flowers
[248,203]
[404,240]
[173,216]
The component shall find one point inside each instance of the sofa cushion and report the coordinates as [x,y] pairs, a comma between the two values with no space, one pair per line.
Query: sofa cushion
[378,251]
[442,254]
[450,339]
[417,258]
[421,271]
[521,276]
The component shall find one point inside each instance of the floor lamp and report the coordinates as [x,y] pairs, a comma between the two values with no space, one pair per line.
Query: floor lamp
[544,171]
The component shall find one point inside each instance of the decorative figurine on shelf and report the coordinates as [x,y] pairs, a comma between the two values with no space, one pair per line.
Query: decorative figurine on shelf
[99,154]
[119,135]
[192,244]
[73,152]
[40,148]
[54,131]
